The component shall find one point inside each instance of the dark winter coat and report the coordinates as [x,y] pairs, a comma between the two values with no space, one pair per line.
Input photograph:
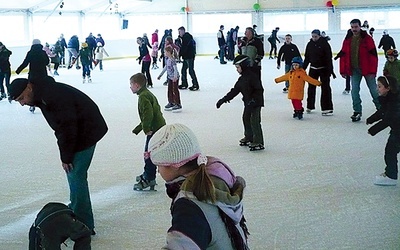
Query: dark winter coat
[85,55]
[91,41]
[74,117]
[287,52]
[73,43]
[101,40]
[388,115]
[188,50]
[251,88]
[273,38]
[255,50]
[63,43]
[367,55]
[318,54]
[37,60]
[144,53]
[221,38]
[386,43]
[5,65]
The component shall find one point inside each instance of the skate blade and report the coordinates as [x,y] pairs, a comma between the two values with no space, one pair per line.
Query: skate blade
[147,189]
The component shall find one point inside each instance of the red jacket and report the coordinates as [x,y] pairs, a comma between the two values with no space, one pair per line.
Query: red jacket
[368,57]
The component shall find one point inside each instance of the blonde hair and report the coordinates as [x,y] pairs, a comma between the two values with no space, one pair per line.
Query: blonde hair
[139,78]
[199,183]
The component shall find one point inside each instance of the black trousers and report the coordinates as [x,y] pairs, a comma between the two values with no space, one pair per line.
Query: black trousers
[326,92]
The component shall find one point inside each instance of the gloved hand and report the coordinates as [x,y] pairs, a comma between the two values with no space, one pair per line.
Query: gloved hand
[251,103]
[220,102]
[369,121]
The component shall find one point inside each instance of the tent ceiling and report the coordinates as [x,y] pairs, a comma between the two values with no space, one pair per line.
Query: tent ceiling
[85,6]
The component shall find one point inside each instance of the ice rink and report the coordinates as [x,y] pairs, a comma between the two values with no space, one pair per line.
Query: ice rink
[311,188]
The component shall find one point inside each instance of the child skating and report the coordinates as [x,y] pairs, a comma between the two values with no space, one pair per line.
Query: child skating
[174,100]
[86,60]
[392,65]
[253,98]
[388,115]
[151,120]
[154,55]
[99,55]
[297,77]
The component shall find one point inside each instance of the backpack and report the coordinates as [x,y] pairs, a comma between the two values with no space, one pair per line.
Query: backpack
[194,46]
[54,216]
[49,211]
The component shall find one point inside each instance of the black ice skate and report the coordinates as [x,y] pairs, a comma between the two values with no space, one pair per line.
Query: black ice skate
[256,146]
[244,142]
[356,117]
[144,184]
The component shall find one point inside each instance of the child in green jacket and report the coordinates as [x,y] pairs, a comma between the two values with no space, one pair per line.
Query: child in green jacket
[151,120]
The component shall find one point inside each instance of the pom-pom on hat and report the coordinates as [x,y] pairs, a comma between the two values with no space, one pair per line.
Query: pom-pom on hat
[36,41]
[174,145]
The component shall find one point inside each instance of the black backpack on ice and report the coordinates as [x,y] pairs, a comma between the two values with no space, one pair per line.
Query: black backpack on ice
[54,224]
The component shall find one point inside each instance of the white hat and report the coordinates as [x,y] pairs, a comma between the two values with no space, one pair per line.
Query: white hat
[36,41]
[175,145]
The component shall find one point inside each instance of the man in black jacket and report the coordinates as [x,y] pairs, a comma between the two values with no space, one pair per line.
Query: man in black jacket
[318,56]
[188,53]
[386,42]
[78,125]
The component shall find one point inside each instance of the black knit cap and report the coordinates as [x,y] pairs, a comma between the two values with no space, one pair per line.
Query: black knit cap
[16,88]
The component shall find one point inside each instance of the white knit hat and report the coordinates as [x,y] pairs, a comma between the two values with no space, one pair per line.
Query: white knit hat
[174,145]
[36,41]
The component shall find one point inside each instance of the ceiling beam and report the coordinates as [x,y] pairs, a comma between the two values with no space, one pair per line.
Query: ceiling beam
[41,5]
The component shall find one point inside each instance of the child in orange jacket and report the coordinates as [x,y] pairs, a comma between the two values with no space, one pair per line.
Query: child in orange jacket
[297,77]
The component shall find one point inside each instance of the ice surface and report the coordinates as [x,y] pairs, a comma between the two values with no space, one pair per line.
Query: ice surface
[311,188]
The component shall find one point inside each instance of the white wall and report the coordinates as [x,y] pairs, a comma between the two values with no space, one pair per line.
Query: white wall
[206,45]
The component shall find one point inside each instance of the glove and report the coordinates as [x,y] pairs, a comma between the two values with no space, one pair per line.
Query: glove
[220,102]
[251,103]
[369,121]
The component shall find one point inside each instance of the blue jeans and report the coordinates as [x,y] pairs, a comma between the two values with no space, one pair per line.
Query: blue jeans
[149,167]
[4,75]
[85,70]
[355,89]
[188,63]
[221,53]
[287,69]
[79,188]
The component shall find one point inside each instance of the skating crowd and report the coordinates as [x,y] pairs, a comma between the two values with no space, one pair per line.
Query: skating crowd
[205,191]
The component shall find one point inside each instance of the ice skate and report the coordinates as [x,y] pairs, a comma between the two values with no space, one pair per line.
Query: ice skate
[32,109]
[356,117]
[256,146]
[83,80]
[327,112]
[144,184]
[89,79]
[285,90]
[244,142]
